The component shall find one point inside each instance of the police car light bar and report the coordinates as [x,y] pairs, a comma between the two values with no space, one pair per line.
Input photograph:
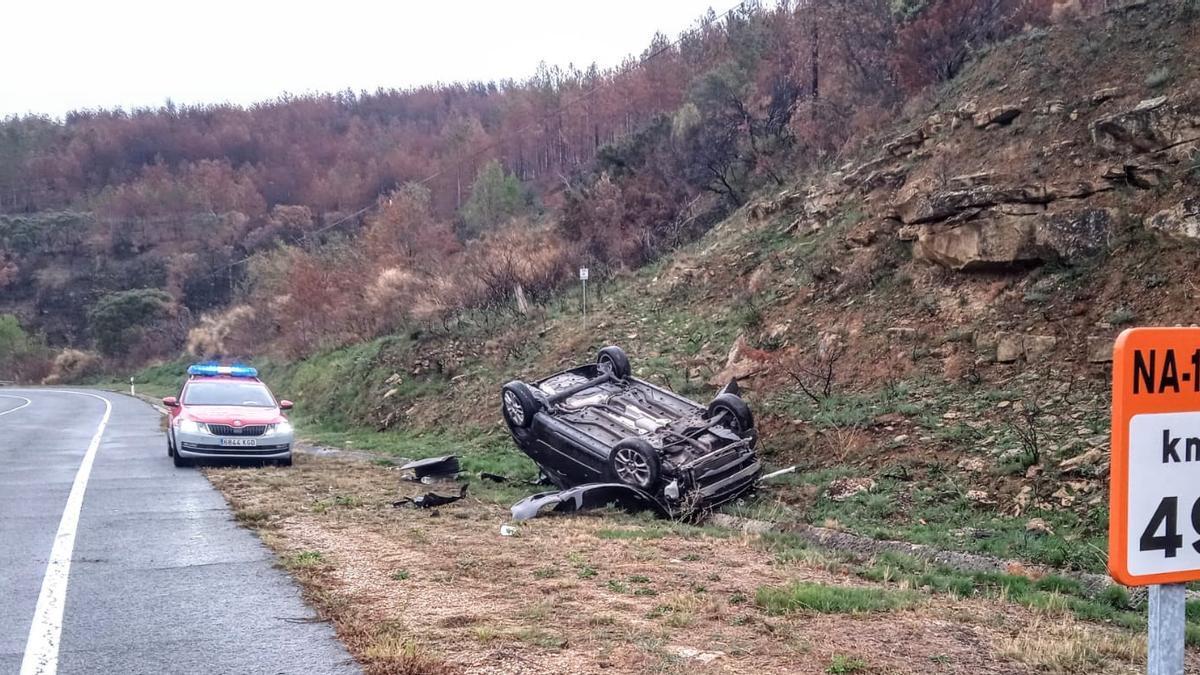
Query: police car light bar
[212,370]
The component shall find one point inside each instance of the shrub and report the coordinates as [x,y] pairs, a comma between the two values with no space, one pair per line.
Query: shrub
[72,365]
[118,319]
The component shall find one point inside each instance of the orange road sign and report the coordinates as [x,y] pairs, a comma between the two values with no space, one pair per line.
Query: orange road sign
[1154,491]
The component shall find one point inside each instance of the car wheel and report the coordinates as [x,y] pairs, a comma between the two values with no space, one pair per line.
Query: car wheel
[170,447]
[180,461]
[737,414]
[519,404]
[616,361]
[286,461]
[634,462]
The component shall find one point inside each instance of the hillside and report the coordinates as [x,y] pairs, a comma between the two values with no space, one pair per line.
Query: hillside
[959,281]
[922,322]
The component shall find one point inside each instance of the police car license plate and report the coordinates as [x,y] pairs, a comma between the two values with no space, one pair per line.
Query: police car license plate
[239,442]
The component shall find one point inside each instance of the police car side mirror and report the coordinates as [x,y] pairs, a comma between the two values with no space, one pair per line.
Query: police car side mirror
[285,404]
[171,402]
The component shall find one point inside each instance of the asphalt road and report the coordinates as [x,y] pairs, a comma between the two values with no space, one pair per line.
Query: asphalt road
[154,575]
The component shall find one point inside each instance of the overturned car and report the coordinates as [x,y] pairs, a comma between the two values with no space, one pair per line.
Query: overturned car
[597,423]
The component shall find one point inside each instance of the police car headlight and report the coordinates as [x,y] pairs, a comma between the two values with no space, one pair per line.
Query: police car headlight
[190,427]
[279,428]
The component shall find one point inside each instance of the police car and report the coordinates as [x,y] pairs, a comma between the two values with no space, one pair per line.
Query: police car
[226,412]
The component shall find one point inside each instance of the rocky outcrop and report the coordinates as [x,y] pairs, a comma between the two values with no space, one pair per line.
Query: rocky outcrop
[999,116]
[1180,221]
[1150,126]
[922,206]
[995,240]
[981,244]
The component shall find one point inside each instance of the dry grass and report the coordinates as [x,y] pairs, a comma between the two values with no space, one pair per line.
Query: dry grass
[414,592]
[1051,646]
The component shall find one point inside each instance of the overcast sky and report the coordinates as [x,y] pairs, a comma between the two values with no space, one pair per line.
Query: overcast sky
[57,56]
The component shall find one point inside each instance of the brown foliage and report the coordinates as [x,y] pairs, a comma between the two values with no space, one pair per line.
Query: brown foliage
[933,47]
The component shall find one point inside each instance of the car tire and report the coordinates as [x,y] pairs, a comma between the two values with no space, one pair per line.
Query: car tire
[170,447]
[738,417]
[180,462]
[518,404]
[286,461]
[616,360]
[634,462]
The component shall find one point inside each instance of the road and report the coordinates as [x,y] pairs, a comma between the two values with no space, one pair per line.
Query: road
[114,561]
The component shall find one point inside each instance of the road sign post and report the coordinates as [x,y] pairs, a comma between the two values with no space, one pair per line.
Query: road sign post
[1154,495]
[583,279]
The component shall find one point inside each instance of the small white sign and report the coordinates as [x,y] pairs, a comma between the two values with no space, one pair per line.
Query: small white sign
[1164,493]
[583,274]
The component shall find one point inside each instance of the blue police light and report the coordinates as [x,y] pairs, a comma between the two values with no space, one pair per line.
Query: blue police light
[213,370]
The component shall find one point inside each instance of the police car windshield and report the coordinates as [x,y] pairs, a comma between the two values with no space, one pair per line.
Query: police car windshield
[251,394]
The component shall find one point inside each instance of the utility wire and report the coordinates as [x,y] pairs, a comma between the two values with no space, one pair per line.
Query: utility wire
[536,123]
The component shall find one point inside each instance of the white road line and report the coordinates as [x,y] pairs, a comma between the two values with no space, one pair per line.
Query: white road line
[25,404]
[41,649]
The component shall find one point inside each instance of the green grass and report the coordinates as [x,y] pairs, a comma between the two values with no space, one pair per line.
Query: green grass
[846,664]
[810,597]
[937,513]
[304,559]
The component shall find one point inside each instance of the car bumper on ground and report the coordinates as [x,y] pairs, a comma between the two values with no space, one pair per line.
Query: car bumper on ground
[210,446]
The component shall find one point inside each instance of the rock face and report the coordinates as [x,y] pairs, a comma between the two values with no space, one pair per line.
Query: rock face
[995,240]
[1000,116]
[1150,126]
[1099,349]
[981,244]
[1181,221]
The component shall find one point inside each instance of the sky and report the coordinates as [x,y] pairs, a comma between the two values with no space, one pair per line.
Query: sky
[58,55]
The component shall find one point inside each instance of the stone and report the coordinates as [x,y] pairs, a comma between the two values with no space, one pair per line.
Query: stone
[1101,95]
[901,334]
[1099,349]
[917,205]
[394,378]
[841,489]
[1078,233]
[908,233]
[390,393]
[998,116]
[1009,347]
[967,110]
[1181,221]
[1092,461]
[742,362]
[1036,346]
[1149,127]
[981,245]
[1140,176]
[1055,107]
[906,143]
[980,497]
[1038,526]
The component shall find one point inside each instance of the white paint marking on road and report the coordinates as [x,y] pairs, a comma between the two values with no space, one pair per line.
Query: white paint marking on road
[13,410]
[41,649]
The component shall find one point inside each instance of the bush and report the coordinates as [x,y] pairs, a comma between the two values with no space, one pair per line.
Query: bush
[72,365]
[119,319]
[22,358]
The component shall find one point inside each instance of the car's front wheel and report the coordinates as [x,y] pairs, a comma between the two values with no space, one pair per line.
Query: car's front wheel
[180,461]
[634,462]
[737,415]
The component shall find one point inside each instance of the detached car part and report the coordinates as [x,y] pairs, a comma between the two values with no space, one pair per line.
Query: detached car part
[446,465]
[586,497]
[431,499]
[596,423]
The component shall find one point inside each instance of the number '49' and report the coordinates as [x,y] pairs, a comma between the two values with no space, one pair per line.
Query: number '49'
[1166,518]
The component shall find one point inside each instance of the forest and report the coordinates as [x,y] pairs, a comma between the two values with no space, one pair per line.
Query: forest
[304,223]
